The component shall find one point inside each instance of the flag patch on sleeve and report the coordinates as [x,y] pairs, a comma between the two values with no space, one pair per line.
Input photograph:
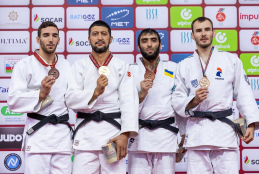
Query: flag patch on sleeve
[169,73]
[129,74]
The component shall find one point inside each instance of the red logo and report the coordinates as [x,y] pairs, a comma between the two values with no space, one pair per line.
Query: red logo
[255,38]
[220,16]
[129,74]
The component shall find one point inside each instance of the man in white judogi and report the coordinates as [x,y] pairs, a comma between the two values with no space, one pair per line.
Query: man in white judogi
[38,88]
[206,83]
[101,91]
[153,150]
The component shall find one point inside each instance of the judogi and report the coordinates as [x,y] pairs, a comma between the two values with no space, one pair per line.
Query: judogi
[50,141]
[153,151]
[119,96]
[211,141]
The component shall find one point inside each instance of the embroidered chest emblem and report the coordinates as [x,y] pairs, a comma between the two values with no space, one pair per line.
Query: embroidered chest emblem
[194,83]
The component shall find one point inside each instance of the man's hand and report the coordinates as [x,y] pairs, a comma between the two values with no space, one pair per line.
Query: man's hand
[201,95]
[145,85]
[249,136]
[46,85]
[121,142]
[102,82]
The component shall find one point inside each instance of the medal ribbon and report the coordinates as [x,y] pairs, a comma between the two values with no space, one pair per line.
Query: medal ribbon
[148,69]
[203,71]
[107,61]
[42,62]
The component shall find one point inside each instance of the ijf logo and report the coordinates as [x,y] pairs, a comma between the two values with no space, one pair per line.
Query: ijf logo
[12,162]
[246,160]
[118,17]
[218,74]
[220,16]
[36,18]
[255,38]
[10,63]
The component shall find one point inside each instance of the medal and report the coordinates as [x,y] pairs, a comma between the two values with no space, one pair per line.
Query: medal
[149,75]
[204,81]
[53,71]
[102,69]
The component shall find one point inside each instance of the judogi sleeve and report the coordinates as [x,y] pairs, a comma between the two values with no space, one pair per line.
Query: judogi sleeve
[19,99]
[243,94]
[76,96]
[128,97]
[181,96]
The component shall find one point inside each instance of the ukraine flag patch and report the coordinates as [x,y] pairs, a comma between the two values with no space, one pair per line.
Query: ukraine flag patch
[169,73]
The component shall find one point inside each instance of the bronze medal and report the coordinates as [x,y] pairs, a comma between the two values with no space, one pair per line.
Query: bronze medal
[54,72]
[204,82]
[149,75]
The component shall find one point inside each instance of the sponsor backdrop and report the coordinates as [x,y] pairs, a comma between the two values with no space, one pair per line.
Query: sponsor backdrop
[237,30]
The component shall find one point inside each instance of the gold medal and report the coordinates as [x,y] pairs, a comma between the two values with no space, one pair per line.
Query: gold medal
[204,82]
[104,70]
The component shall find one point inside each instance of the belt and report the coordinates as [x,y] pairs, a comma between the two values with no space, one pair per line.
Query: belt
[220,115]
[153,124]
[53,119]
[98,116]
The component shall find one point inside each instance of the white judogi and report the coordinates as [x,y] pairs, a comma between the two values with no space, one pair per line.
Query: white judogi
[227,78]
[23,97]
[155,147]
[119,96]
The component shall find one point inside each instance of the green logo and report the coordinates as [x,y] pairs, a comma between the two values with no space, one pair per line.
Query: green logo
[182,17]
[225,40]
[250,63]
[151,1]
[6,112]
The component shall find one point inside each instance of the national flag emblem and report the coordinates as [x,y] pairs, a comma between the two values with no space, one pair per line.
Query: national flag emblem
[129,74]
[169,73]
[194,83]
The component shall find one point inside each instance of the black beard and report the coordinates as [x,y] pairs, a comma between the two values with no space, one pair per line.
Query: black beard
[100,50]
[45,49]
[204,46]
[150,57]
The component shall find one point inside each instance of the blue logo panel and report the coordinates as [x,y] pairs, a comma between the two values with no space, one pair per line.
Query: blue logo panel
[118,17]
[179,57]
[12,162]
[82,2]
[163,36]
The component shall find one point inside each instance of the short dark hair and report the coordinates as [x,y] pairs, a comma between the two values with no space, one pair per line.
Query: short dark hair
[201,19]
[148,31]
[45,25]
[99,23]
